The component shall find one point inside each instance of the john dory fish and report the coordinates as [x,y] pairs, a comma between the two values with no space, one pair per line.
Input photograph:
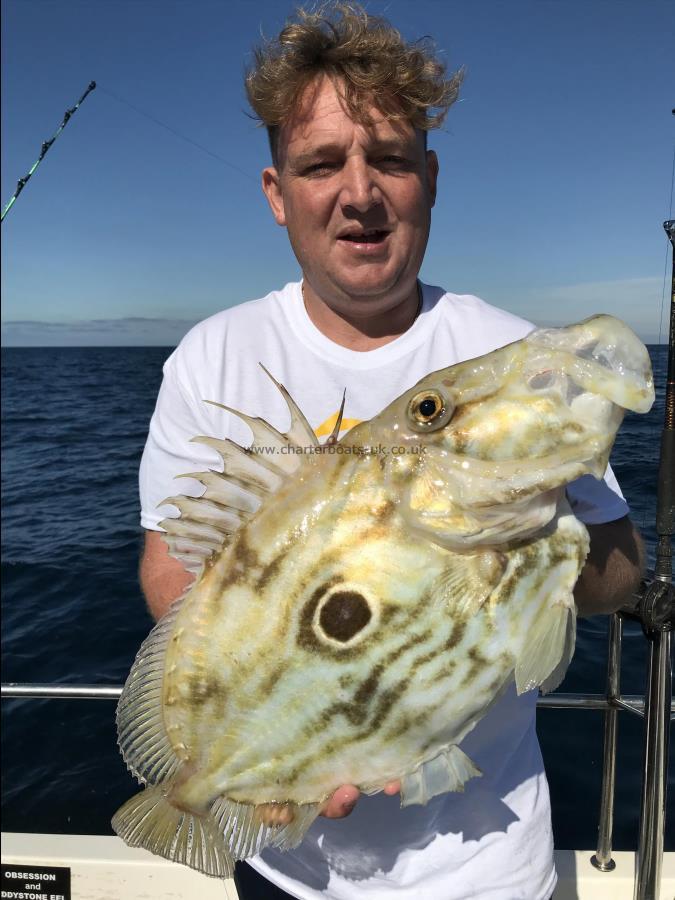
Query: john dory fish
[355,614]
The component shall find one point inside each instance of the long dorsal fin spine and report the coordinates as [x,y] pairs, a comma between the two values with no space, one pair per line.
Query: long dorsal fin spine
[250,476]
[221,485]
[300,427]
[229,451]
[258,426]
[335,433]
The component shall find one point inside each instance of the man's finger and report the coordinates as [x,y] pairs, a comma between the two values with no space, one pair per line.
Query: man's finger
[341,803]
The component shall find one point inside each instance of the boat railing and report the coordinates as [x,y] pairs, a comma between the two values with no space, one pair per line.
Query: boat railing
[652,607]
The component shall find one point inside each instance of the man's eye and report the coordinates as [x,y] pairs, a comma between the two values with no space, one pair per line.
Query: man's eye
[319,168]
[395,162]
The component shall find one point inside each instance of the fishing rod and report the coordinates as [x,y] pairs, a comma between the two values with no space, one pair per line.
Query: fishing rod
[665,512]
[45,147]
[656,611]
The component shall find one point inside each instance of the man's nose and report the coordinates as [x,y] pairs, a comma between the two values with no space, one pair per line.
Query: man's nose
[359,188]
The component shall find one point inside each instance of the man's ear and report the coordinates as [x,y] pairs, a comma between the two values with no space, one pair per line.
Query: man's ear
[432,174]
[272,187]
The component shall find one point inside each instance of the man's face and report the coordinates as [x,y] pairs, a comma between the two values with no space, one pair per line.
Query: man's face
[356,201]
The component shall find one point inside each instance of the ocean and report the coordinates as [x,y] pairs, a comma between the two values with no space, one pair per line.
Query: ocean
[74,422]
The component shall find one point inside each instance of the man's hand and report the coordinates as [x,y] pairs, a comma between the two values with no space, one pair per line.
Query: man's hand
[344,799]
[613,568]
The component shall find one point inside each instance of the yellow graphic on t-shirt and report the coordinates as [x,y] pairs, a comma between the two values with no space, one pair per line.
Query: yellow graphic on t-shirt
[327,427]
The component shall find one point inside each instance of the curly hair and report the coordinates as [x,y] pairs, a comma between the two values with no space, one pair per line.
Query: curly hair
[364,56]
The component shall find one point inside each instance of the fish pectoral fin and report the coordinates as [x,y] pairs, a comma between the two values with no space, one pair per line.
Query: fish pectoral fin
[150,821]
[247,829]
[548,649]
[446,772]
[468,581]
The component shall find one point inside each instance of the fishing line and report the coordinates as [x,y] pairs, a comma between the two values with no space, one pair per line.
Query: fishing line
[45,147]
[660,342]
[178,134]
[665,262]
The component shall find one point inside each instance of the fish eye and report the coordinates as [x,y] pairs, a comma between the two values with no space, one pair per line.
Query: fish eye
[428,411]
[337,618]
[428,407]
[343,615]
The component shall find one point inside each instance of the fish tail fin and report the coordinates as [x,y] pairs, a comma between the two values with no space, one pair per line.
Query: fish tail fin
[549,649]
[150,821]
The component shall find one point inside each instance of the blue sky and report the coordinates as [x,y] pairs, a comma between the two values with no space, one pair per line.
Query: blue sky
[556,164]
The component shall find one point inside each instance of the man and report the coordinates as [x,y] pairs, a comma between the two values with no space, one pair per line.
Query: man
[347,105]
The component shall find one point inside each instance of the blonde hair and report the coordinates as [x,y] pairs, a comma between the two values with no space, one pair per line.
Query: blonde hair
[364,56]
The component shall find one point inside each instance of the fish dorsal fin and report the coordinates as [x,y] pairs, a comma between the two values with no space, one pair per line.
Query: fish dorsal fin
[300,433]
[335,433]
[250,474]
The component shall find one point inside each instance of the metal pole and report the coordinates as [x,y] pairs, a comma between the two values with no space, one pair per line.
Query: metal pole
[61,691]
[33,691]
[653,806]
[603,856]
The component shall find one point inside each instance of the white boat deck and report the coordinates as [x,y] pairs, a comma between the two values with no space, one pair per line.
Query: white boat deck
[104,868]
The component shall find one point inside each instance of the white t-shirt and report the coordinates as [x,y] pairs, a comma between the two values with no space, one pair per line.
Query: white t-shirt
[493,841]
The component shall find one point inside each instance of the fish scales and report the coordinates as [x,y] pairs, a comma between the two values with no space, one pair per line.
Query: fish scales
[364,609]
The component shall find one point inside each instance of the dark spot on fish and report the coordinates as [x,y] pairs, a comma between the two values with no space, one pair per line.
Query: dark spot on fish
[385,511]
[446,671]
[306,637]
[478,664]
[272,680]
[368,687]
[344,614]
[385,702]
[460,439]
[246,561]
[245,554]
[202,689]
[456,635]
[270,571]
[529,562]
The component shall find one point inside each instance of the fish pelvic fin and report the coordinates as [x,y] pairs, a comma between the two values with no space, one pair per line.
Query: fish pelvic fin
[206,524]
[550,647]
[150,821]
[448,771]
[246,829]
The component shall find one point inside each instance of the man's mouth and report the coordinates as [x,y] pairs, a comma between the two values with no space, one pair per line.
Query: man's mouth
[371,236]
